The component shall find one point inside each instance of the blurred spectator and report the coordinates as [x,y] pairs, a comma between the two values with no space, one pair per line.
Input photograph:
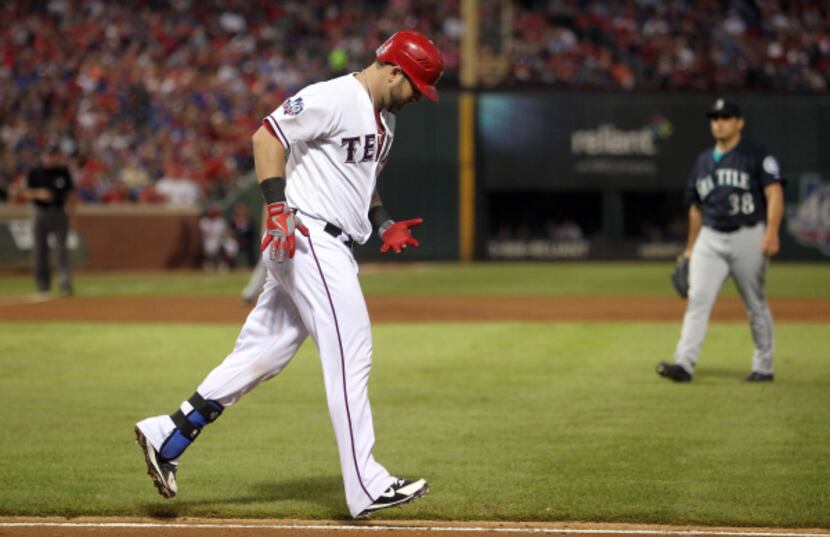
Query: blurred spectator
[245,232]
[176,189]
[133,176]
[115,193]
[219,247]
[568,230]
[150,195]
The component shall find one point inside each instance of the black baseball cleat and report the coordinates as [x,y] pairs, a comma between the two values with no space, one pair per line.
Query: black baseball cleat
[162,472]
[399,493]
[673,371]
[755,376]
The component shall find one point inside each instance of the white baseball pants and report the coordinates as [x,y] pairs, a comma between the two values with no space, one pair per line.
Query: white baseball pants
[316,293]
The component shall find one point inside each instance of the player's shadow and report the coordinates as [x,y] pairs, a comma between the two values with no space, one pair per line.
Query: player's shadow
[326,491]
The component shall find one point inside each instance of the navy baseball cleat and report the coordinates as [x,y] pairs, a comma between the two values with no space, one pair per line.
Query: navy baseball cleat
[162,472]
[673,371]
[399,493]
[755,376]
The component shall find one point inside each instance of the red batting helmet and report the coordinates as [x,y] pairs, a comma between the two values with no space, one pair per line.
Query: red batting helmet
[417,56]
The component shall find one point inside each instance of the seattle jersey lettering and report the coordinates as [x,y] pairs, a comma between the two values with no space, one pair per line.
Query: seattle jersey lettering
[725,177]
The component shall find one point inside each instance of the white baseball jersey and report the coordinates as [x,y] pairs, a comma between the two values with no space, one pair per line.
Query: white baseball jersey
[336,147]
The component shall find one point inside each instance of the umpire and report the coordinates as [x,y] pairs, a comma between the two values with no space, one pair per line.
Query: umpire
[50,188]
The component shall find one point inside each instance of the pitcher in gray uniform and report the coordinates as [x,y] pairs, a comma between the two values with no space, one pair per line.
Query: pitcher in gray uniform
[735,206]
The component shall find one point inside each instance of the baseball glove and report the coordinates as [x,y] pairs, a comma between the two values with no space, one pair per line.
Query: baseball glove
[680,277]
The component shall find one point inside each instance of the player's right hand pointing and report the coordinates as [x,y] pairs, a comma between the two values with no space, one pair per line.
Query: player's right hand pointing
[279,234]
[397,236]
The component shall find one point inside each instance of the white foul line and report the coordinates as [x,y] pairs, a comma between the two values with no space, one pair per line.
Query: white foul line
[571,531]
[25,299]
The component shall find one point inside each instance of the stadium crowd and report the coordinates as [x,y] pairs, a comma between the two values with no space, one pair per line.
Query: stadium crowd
[156,100]
[152,93]
[697,45]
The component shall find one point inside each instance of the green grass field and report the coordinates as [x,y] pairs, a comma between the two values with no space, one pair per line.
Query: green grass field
[508,421]
[563,279]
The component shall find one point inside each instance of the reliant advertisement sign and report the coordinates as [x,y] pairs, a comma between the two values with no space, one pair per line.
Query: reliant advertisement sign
[573,141]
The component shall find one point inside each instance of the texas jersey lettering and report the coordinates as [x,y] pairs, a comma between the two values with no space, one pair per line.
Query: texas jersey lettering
[373,150]
[323,127]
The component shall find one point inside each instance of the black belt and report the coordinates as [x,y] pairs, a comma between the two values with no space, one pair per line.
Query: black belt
[733,229]
[727,229]
[335,232]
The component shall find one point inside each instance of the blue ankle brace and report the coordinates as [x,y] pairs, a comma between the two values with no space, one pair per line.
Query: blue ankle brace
[188,427]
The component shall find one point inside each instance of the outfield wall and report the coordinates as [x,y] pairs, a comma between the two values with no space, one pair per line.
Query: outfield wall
[111,237]
[559,176]
[611,165]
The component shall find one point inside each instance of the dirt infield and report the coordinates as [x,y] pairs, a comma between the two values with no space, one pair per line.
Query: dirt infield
[56,527]
[404,309]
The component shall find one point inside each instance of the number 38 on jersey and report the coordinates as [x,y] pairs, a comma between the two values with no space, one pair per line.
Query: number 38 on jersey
[741,203]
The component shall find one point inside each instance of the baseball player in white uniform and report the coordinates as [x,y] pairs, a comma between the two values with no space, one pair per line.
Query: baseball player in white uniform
[317,160]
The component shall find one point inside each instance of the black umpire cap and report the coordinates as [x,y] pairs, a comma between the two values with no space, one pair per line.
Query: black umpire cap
[724,108]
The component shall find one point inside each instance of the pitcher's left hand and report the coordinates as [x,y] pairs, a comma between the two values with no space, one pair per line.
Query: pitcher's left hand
[770,244]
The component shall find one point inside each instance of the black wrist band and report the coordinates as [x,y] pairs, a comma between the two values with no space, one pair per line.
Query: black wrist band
[378,215]
[273,189]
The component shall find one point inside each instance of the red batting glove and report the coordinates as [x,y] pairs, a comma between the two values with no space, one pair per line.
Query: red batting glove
[399,237]
[280,225]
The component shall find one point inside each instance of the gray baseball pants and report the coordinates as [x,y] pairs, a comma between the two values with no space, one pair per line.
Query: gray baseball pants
[51,221]
[715,256]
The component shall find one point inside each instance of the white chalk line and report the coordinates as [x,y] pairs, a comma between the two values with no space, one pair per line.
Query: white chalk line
[564,531]
[25,299]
